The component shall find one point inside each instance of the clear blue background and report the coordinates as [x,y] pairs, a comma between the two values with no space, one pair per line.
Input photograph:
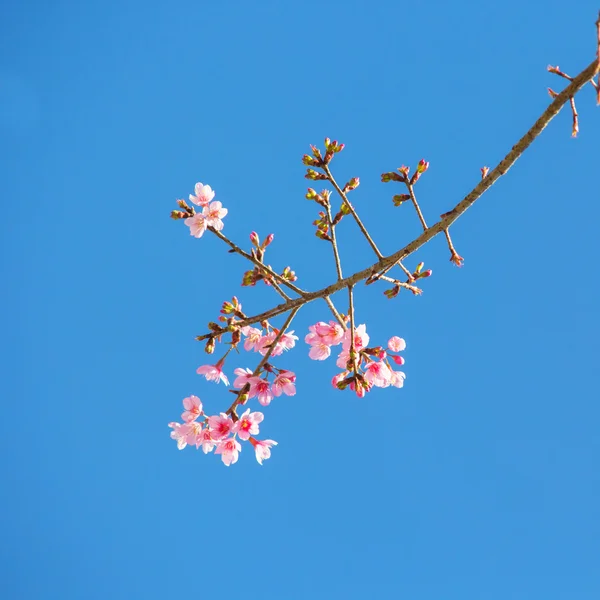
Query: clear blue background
[478,480]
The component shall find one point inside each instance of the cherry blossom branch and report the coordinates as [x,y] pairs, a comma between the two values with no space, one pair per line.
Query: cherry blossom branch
[486,182]
[353,212]
[257,262]
[262,363]
[336,314]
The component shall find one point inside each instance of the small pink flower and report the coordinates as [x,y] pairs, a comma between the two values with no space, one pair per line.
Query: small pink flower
[262,390]
[378,374]
[396,344]
[220,425]
[253,338]
[185,433]
[213,373]
[193,408]
[243,377]
[361,338]
[179,433]
[262,448]
[285,383]
[331,334]
[319,351]
[287,341]
[203,194]
[197,225]
[397,379]
[342,359]
[213,215]
[247,424]
[206,440]
[229,450]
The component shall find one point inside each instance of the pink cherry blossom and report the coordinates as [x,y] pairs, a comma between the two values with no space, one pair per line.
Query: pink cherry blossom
[247,424]
[185,433]
[330,333]
[193,408]
[197,225]
[319,351]
[229,450]
[213,215]
[285,383]
[253,338]
[262,390]
[206,440]
[378,374]
[343,358]
[262,448]
[179,433]
[397,379]
[213,373]
[287,341]
[220,425]
[243,377]
[203,194]
[396,344]
[361,338]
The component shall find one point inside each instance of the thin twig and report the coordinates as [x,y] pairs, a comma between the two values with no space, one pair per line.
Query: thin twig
[406,272]
[336,254]
[255,261]
[352,211]
[454,255]
[336,314]
[413,198]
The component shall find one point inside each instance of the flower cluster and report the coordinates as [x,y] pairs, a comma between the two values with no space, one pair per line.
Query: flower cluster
[211,215]
[362,367]
[219,432]
[222,433]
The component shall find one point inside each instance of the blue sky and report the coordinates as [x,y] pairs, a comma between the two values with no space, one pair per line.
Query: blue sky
[478,480]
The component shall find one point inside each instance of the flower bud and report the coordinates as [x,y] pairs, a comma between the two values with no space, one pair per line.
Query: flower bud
[352,184]
[254,238]
[210,345]
[424,274]
[392,292]
[312,174]
[316,153]
[391,176]
[268,240]
[309,161]
[400,199]
[289,275]
[419,267]
[177,214]
[399,360]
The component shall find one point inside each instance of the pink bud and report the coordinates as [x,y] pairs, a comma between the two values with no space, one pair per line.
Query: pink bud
[254,238]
